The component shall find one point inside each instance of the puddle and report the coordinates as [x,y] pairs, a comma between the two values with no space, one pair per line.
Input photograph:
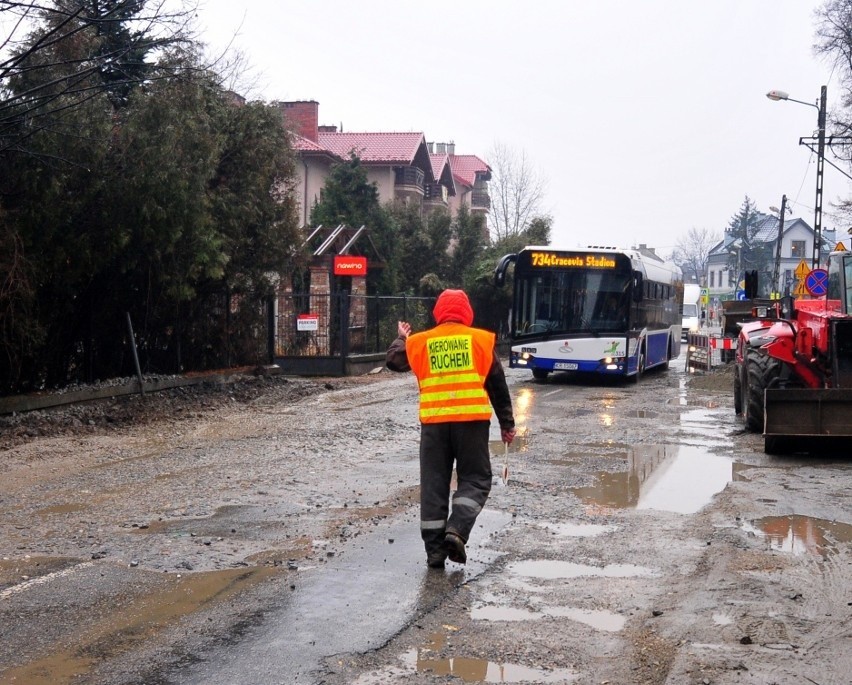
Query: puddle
[642,414]
[132,625]
[594,618]
[498,613]
[70,508]
[546,569]
[677,478]
[705,421]
[801,534]
[423,660]
[597,619]
[578,530]
[607,445]
[560,462]
[684,402]
[519,444]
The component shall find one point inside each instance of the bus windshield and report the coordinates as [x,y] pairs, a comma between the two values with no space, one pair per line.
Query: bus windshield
[578,301]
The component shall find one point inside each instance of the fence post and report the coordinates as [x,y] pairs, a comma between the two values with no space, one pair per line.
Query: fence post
[270,329]
[344,330]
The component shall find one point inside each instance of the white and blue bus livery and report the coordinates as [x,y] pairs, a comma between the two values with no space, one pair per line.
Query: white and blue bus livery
[597,310]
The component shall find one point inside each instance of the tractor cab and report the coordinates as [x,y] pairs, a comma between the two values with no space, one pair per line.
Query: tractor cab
[840,280]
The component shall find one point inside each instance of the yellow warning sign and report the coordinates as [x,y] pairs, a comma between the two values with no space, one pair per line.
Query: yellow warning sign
[802,270]
[800,290]
[840,247]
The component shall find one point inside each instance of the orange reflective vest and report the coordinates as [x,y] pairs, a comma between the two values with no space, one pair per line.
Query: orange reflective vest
[451,362]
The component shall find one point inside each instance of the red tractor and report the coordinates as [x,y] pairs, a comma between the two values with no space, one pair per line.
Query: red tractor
[793,376]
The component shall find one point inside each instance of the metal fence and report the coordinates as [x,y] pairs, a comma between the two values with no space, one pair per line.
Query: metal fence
[704,351]
[324,334]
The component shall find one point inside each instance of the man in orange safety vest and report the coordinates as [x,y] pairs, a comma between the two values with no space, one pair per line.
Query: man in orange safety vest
[460,379]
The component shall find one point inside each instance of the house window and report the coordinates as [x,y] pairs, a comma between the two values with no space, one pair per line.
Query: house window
[797,249]
[712,279]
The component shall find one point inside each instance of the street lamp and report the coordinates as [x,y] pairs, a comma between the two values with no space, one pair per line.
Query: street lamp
[781,95]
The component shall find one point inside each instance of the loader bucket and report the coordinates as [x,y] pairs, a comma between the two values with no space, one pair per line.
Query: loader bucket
[807,419]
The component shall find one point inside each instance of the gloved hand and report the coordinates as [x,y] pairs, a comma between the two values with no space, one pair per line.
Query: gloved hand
[507,435]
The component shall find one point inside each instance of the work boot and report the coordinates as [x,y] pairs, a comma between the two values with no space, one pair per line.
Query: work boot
[436,559]
[454,545]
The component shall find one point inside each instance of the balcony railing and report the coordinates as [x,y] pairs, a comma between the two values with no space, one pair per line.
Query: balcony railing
[409,176]
[436,192]
[480,199]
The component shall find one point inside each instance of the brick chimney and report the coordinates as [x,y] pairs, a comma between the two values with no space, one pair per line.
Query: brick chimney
[302,117]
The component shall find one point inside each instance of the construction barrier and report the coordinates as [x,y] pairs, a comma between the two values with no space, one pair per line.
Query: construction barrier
[703,351]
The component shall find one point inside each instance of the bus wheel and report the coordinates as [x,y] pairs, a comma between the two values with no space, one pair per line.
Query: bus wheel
[540,374]
[640,367]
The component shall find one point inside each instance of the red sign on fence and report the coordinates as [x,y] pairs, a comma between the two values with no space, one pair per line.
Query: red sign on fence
[344,265]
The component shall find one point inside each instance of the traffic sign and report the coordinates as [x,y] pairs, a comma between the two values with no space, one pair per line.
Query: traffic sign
[705,296]
[816,282]
[741,294]
[840,247]
[802,270]
[800,290]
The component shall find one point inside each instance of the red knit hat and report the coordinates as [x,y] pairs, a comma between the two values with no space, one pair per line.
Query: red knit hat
[453,305]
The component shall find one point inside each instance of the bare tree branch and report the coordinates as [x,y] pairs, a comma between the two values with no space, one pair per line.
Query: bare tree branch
[517,191]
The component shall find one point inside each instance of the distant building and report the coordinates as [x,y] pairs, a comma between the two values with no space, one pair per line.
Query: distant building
[403,166]
[796,246]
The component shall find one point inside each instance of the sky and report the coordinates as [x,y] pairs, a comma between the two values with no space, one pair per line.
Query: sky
[645,118]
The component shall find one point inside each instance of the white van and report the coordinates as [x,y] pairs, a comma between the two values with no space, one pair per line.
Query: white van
[691,309]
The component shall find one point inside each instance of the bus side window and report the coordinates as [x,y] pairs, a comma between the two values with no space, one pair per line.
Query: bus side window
[639,286]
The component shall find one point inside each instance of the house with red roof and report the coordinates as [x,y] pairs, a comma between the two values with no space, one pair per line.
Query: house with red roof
[403,166]
[470,176]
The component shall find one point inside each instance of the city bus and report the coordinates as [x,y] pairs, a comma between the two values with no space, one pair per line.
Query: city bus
[598,310]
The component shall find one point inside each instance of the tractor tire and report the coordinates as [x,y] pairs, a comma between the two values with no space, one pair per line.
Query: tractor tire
[760,370]
[738,398]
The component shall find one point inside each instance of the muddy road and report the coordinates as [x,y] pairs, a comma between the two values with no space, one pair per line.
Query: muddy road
[642,537]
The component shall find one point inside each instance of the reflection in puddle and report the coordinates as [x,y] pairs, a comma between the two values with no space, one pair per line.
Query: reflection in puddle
[594,618]
[519,444]
[801,534]
[678,478]
[478,670]
[553,569]
[597,619]
[684,402]
[642,414]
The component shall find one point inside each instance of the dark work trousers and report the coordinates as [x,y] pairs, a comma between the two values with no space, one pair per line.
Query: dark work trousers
[442,444]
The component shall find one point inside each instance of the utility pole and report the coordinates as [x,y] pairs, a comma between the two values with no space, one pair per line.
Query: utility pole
[820,166]
[776,272]
[776,95]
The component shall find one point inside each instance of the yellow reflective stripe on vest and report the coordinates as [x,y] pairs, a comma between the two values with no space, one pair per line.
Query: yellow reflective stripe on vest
[453,378]
[426,412]
[453,395]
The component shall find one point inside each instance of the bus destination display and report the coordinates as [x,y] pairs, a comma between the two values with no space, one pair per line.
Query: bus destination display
[583,261]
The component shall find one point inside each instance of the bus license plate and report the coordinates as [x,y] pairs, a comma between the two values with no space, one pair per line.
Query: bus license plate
[565,366]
